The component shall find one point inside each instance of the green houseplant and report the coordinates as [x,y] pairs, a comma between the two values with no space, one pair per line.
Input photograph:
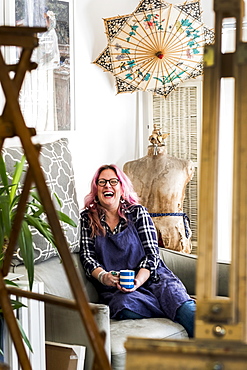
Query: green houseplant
[10,193]
[33,216]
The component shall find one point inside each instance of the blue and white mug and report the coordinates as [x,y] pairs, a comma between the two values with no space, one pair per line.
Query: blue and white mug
[127,278]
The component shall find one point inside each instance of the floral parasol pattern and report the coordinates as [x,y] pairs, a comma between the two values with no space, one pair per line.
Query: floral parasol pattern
[156,47]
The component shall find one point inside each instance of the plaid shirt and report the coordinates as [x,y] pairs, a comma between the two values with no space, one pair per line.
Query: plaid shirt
[146,231]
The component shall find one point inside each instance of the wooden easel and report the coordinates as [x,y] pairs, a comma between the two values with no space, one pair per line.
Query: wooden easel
[13,124]
[221,323]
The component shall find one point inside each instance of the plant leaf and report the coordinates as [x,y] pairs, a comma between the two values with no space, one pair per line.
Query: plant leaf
[42,226]
[25,241]
[1,243]
[15,200]
[58,200]
[10,282]
[65,218]
[2,190]
[3,174]
[36,208]
[24,336]
[35,195]
[16,177]
[16,304]
[5,213]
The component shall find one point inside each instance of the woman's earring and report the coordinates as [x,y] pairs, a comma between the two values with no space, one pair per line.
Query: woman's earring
[94,202]
[122,200]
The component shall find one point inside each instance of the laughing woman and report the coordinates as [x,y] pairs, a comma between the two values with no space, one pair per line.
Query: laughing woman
[118,233]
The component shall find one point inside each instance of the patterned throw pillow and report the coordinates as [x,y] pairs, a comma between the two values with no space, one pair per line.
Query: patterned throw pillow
[56,162]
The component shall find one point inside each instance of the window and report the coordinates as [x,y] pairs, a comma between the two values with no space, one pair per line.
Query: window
[46,94]
[180,116]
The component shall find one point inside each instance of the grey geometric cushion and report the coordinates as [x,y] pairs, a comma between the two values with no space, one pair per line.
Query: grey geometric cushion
[56,162]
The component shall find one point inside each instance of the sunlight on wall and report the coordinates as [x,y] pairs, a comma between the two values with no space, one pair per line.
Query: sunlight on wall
[226,148]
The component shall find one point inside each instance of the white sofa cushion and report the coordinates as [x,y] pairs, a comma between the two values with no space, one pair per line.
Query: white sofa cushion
[159,328]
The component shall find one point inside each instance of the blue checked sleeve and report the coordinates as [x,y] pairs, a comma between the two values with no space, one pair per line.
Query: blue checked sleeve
[148,236]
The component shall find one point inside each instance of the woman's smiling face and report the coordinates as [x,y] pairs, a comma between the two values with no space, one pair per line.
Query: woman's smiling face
[109,196]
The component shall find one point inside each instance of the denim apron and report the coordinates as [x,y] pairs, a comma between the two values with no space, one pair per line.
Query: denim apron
[159,298]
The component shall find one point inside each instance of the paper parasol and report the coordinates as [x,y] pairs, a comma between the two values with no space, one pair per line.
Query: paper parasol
[156,47]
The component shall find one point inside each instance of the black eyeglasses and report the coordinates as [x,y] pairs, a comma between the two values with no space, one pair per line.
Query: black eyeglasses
[103,182]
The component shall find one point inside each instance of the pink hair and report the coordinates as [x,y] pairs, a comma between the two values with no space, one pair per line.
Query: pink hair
[95,210]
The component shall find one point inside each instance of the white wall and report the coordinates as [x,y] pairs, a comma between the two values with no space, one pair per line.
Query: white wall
[105,122]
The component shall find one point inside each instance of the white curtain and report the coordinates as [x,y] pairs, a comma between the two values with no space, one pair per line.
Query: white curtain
[38,95]
[37,100]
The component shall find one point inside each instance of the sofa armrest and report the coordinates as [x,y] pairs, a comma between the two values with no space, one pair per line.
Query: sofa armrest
[63,325]
[184,267]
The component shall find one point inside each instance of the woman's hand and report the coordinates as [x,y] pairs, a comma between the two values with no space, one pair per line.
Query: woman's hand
[106,278]
[110,279]
[140,279]
[137,284]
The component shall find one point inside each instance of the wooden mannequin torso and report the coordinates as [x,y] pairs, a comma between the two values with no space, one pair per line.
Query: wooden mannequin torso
[160,182]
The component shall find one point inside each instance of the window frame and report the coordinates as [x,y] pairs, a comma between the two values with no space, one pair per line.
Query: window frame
[7,17]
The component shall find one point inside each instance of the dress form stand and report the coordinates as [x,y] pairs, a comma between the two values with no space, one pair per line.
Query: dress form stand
[12,124]
[160,181]
[221,322]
